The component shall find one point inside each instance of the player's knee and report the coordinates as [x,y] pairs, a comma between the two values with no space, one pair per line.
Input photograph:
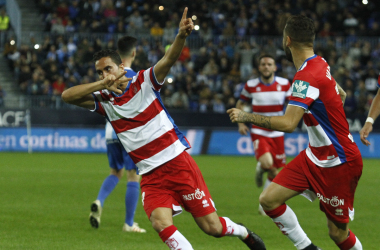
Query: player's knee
[159,225]
[266,202]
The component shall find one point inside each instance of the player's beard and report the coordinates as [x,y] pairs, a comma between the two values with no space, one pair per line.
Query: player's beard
[288,53]
[266,78]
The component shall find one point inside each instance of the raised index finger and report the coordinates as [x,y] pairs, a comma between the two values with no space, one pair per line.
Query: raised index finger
[120,76]
[184,14]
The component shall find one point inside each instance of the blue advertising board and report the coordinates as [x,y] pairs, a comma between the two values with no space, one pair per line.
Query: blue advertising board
[224,142]
[72,140]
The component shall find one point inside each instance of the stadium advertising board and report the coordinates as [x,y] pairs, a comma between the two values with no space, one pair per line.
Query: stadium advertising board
[232,143]
[71,140]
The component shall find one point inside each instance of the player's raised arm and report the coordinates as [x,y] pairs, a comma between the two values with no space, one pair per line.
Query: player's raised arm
[81,95]
[163,66]
[286,123]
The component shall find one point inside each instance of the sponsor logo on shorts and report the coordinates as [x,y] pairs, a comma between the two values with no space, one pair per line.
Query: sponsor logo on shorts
[334,201]
[339,211]
[205,203]
[199,194]
[172,243]
[282,156]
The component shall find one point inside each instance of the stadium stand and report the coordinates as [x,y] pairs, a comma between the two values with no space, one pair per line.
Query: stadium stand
[218,58]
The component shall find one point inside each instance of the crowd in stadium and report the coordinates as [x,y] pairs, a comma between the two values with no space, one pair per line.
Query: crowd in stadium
[208,78]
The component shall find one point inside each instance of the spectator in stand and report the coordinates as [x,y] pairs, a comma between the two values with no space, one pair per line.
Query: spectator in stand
[156,30]
[4,21]
[2,94]
[58,86]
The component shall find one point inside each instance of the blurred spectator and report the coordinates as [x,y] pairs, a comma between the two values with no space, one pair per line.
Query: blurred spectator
[371,82]
[180,100]
[350,103]
[58,86]
[4,20]
[2,94]
[156,30]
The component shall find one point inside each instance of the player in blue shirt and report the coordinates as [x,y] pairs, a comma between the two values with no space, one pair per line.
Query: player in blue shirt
[118,158]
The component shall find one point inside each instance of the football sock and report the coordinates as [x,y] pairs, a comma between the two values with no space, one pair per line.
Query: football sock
[174,239]
[108,185]
[267,183]
[286,220]
[131,199]
[351,243]
[230,228]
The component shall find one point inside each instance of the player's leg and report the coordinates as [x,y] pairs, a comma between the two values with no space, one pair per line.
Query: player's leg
[116,164]
[162,221]
[131,196]
[343,237]
[287,184]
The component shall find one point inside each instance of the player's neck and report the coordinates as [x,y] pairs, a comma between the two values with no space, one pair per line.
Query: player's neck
[267,80]
[127,62]
[300,55]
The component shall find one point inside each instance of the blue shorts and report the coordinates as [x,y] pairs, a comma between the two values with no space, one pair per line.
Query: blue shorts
[118,157]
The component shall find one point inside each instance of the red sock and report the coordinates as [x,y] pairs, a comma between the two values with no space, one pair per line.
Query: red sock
[277,211]
[167,232]
[224,225]
[349,242]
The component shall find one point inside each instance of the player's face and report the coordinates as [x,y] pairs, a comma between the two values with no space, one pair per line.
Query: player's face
[105,66]
[288,53]
[267,67]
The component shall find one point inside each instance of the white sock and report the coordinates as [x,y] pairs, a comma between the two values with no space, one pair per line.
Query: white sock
[267,183]
[233,229]
[288,224]
[357,246]
[178,242]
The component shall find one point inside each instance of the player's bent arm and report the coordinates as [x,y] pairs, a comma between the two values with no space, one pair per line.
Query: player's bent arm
[374,110]
[342,93]
[286,123]
[162,68]
[81,95]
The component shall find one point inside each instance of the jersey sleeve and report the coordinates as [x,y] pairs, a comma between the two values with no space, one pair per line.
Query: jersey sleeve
[98,106]
[150,78]
[304,90]
[245,95]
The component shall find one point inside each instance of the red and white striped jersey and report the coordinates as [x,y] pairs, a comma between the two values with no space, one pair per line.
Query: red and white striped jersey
[141,122]
[266,99]
[315,90]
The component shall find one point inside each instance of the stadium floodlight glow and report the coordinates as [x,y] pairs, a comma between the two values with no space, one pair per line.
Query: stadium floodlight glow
[196,27]
[194,17]
[36,46]
[161,7]
[365,2]
[12,42]
[170,80]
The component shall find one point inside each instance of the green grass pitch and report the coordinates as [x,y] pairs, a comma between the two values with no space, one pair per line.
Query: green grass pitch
[45,202]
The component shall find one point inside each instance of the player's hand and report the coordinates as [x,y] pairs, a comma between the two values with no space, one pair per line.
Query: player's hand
[364,132]
[186,25]
[243,129]
[237,115]
[115,84]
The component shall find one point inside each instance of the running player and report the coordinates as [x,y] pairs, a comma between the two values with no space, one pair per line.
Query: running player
[373,113]
[267,95]
[170,177]
[331,166]
[118,158]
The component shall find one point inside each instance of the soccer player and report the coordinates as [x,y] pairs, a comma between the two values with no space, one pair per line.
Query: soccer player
[267,95]
[170,177]
[373,113]
[118,158]
[331,165]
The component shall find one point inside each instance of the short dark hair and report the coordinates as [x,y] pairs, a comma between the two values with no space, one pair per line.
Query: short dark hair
[300,29]
[266,55]
[115,57]
[125,45]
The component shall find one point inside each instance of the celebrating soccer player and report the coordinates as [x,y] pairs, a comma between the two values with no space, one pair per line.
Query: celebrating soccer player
[267,95]
[170,177]
[331,165]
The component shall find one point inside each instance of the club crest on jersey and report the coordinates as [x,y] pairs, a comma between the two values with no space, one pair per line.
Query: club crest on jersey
[300,89]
